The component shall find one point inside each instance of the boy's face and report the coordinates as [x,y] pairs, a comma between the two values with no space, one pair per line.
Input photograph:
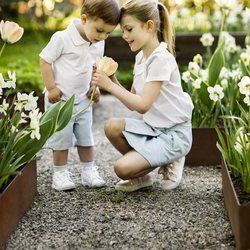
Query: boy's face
[95,29]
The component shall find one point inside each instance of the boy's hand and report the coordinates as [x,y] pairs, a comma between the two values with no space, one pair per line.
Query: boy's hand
[97,95]
[54,95]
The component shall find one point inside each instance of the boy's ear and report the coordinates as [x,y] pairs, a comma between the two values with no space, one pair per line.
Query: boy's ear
[150,25]
[84,18]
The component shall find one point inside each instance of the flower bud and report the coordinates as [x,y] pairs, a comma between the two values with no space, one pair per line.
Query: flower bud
[11,32]
[107,65]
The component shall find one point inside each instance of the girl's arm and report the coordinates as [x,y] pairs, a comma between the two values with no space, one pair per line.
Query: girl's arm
[140,103]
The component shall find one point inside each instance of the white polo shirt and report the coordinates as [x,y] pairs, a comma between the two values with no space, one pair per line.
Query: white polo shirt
[72,59]
[173,105]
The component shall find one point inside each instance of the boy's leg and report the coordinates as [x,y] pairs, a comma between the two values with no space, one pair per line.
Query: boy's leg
[89,171]
[61,179]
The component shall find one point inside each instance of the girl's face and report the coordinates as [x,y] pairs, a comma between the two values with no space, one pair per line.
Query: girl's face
[135,33]
[95,29]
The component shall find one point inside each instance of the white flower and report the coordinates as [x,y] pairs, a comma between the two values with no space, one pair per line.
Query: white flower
[207,39]
[204,74]
[194,68]
[31,102]
[197,83]
[3,107]
[227,4]
[35,124]
[215,93]
[247,100]
[245,58]
[242,141]
[224,83]
[198,59]
[107,65]
[186,76]
[244,85]
[224,73]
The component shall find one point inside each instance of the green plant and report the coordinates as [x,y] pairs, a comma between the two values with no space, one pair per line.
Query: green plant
[212,80]
[23,129]
[234,144]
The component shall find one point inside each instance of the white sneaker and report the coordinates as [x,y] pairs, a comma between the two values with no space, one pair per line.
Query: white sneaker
[134,184]
[61,180]
[172,174]
[91,178]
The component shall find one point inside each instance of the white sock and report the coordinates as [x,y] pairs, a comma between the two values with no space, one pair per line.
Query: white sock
[87,165]
[60,168]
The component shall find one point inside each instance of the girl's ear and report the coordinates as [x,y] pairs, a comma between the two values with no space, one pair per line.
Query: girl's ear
[84,18]
[150,25]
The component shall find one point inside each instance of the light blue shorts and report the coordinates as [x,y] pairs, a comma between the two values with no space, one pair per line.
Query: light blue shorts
[158,146]
[78,132]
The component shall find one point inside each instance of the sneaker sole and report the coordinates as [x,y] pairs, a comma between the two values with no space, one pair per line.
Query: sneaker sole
[92,186]
[169,187]
[134,188]
[63,189]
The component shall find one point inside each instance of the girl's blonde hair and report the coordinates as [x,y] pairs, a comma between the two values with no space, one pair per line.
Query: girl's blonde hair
[107,10]
[157,12]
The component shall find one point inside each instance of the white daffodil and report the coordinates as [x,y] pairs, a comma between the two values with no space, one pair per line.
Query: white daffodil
[3,107]
[197,83]
[198,59]
[245,58]
[244,85]
[35,123]
[186,76]
[242,141]
[204,74]
[227,4]
[215,93]
[2,82]
[207,39]
[31,103]
[247,100]
[194,68]
[224,83]
[224,73]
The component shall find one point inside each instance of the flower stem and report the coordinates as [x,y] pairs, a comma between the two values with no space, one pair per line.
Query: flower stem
[2,49]
[89,102]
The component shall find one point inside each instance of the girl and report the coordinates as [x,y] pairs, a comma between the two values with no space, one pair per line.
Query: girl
[164,134]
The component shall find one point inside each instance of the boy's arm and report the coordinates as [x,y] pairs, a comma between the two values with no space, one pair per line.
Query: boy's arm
[54,93]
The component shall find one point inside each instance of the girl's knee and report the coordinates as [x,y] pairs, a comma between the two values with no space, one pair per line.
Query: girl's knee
[113,126]
[121,170]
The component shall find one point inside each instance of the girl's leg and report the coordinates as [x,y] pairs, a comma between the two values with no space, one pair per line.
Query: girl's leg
[132,165]
[113,129]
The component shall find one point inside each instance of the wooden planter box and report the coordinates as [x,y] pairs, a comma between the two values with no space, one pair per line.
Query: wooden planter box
[204,151]
[187,45]
[239,214]
[16,199]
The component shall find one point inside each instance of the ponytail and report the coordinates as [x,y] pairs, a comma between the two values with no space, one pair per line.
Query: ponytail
[165,32]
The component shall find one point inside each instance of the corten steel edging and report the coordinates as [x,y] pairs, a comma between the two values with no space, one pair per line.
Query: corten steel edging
[16,199]
[239,214]
[204,151]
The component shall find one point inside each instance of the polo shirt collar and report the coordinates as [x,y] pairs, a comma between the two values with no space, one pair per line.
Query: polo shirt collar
[74,33]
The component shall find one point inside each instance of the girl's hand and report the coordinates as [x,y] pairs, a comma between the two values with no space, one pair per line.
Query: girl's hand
[102,80]
[54,95]
[97,94]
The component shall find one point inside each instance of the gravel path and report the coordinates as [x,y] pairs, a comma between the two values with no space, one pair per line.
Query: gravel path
[190,217]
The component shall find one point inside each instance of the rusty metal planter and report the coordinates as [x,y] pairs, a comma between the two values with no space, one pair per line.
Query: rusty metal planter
[239,214]
[16,199]
[204,151]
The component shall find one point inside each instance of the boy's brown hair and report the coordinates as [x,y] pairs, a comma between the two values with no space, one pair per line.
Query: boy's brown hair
[107,10]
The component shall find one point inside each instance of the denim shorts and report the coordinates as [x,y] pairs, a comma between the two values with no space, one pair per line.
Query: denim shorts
[158,146]
[78,132]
